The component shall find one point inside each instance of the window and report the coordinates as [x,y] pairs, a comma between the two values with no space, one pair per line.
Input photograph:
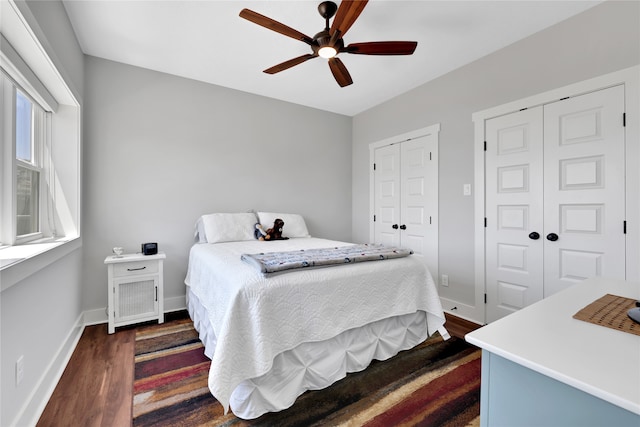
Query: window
[28,166]
[25,197]
[40,153]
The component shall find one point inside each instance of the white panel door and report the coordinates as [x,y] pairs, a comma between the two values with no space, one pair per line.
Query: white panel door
[418,204]
[387,195]
[406,197]
[558,171]
[514,212]
[584,191]
[413,189]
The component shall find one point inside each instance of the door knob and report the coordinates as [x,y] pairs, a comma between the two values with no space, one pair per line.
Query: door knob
[403,227]
[534,235]
[552,237]
[394,226]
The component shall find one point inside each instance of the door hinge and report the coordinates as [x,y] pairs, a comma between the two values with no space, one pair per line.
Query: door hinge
[485,146]
[485,298]
[374,166]
[430,156]
[624,119]
[374,218]
[429,220]
[624,227]
[485,222]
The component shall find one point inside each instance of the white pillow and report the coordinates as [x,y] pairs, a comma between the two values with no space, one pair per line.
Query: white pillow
[294,225]
[227,227]
[200,234]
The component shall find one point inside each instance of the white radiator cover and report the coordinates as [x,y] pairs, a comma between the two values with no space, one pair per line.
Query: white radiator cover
[136,298]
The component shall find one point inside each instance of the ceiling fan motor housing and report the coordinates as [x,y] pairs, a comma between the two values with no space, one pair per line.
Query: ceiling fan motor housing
[327,10]
[323,39]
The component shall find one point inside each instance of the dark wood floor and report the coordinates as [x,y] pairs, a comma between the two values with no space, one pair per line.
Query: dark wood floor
[96,388]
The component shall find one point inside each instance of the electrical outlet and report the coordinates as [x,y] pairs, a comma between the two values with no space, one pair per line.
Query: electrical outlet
[445,280]
[19,370]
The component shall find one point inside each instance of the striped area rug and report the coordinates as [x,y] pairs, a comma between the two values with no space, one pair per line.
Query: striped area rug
[434,384]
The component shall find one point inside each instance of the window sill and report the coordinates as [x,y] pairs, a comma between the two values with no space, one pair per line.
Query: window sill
[21,261]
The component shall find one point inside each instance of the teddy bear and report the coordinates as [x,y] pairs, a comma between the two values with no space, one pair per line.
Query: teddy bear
[273,233]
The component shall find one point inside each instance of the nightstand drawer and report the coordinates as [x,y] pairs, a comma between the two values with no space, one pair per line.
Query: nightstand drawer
[135,268]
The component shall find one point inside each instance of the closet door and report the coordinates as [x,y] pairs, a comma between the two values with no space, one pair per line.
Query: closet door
[406,197]
[416,185]
[514,211]
[555,199]
[584,189]
[387,195]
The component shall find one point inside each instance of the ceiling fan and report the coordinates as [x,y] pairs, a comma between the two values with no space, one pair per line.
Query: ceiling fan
[329,42]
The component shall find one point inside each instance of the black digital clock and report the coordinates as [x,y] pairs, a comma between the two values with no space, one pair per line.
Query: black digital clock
[149,248]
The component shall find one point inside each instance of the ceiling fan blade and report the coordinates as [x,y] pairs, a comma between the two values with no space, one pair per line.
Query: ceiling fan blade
[273,25]
[340,72]
[290,63]
[382,48]
[346,15]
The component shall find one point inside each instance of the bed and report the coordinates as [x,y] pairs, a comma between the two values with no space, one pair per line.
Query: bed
[271,337]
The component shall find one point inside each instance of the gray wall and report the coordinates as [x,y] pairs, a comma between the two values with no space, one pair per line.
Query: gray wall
[161,150]
[39,313]
[603,39]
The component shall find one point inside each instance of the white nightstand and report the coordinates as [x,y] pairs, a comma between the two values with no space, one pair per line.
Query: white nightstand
[135,289]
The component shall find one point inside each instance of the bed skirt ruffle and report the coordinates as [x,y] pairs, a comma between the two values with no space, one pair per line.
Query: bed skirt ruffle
[315,365]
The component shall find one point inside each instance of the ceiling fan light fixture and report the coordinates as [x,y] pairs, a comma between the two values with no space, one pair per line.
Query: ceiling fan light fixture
[327,52]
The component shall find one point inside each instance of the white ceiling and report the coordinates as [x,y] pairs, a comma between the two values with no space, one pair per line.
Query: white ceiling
[206,40]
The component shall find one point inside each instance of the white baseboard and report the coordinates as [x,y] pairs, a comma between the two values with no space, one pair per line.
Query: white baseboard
[461,310]
[175,304]
[37,401]
[95,317]
[35,404]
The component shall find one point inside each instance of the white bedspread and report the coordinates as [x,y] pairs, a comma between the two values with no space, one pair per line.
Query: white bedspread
[256,318]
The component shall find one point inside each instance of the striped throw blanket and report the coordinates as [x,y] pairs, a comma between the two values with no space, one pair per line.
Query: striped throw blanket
[274,262]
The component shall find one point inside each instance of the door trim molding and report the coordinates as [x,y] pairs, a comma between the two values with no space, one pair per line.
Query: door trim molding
[630,78]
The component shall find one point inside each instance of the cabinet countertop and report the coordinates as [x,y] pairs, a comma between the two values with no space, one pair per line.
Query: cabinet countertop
[545,338]
[133,257]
